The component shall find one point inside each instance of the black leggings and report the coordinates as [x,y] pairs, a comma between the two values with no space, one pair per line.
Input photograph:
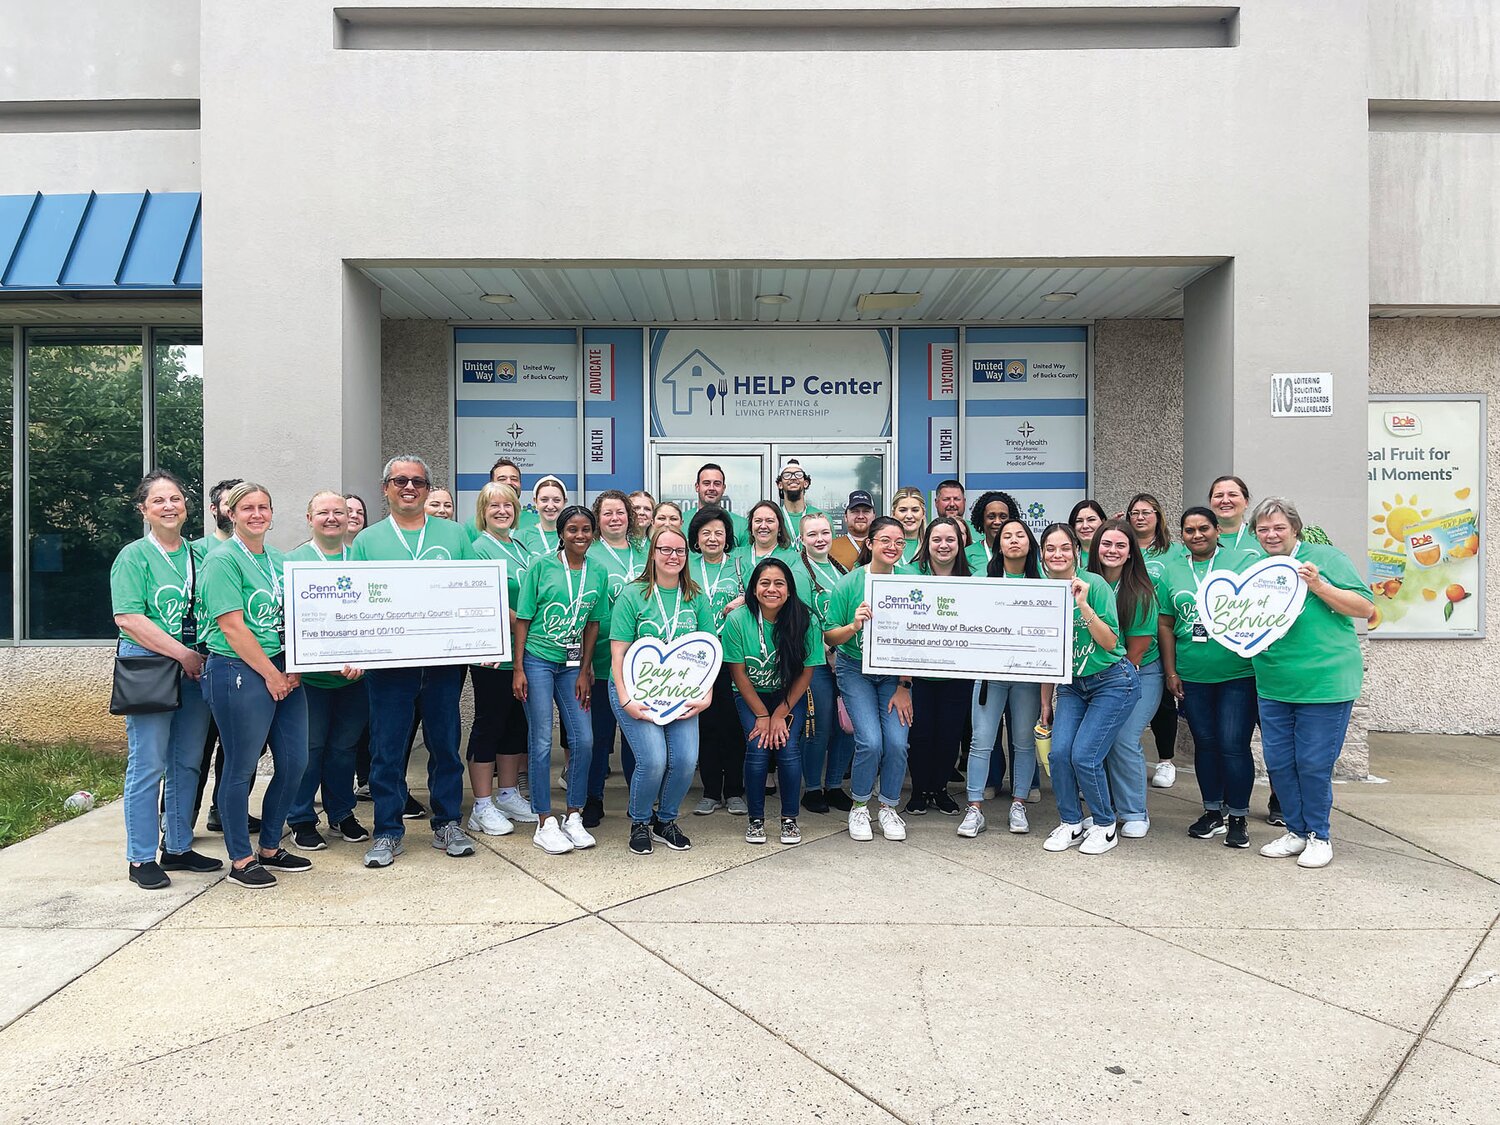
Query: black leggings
[721,744]
[939,709]
[1164,727]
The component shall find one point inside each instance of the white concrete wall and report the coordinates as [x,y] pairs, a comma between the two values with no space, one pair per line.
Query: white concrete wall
[1442,50]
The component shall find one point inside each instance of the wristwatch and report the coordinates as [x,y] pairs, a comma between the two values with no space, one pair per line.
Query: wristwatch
[904,683]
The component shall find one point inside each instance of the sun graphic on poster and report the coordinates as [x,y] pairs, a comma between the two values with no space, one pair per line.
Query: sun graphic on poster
[1398,517]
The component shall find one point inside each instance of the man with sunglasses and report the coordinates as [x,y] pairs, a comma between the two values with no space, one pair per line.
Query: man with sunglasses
[410,534]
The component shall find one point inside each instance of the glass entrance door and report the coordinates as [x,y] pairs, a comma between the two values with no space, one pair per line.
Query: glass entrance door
[834,472]
[674,472]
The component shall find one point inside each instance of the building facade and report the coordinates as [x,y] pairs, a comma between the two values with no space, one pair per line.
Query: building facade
[1064,251]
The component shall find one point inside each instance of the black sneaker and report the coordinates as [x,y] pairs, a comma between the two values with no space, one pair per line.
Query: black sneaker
[252,876]
[284,860]
[1238,834]
[350,829]
[149,876]
[668,833]
[413,810]
[1273,813]
[814,801]
[213,823]
[307,838]
[1207,826]
[254,824]
[917,806]
[593,812]
[943,801]
[640,839]
[190,861]
[838,799]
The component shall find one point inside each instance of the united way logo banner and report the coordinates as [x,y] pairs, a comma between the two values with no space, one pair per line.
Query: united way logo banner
[750,383]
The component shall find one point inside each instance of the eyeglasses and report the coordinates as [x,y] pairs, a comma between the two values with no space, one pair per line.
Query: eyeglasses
[1141,513]
[408,482]
[672,551]
[791,477]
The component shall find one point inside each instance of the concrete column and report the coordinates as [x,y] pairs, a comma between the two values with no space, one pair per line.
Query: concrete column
[360,401]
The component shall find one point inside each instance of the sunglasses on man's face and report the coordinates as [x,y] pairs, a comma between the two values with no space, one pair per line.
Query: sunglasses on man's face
[408,482]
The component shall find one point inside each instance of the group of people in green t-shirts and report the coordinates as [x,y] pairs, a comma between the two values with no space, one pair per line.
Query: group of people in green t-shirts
[786,598]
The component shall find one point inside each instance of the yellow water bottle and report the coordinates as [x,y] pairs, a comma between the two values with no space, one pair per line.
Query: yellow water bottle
[1044,747]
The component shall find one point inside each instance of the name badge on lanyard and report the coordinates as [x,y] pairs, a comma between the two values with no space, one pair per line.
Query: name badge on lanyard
[573,652]
[1200,633]
[269,570]
[188,626]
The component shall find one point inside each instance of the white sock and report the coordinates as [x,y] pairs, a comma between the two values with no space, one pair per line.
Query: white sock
[507,793]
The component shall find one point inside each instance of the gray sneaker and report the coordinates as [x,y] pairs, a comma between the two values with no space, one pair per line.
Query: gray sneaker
[737,806]
[383,851]
[450,838]
[706,807]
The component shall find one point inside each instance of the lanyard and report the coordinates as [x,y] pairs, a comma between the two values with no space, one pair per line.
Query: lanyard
[712,588]
[824,581]
[542,535]
[343,553]
[760,635]
[186,577]
[628,562]
[575,600]
[1193,566]
[669,632]
[267,569]
[506,549]
[414,552]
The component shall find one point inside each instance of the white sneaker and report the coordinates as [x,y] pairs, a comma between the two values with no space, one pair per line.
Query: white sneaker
[1098,839]
[859,823]
[892,827]
[1317,853]
[1135,829]
[551,838]
[973,823]
[1063,837]
[1018,822]
[1284,847]
[576,833]
[488,819]
[1164,775]
[515,806]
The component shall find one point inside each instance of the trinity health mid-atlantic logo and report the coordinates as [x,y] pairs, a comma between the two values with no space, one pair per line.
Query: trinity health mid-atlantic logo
[698,380]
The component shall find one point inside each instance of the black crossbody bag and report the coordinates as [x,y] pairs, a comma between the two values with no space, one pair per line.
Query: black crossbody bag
[152,684]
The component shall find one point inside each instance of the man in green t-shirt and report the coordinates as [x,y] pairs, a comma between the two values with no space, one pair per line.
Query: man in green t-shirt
[792,483]
[709,485]
[409,534]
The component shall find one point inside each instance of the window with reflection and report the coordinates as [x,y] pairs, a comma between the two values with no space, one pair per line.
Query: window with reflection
[177,365]
[84,434]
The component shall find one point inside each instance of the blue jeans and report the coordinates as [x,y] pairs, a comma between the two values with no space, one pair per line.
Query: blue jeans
[546,682]
[788,759]
[665,758]
[826,755]
[1301,742]
[1222,718]
[161,771]
[1125,767]
[1025,703]
[1087,714]
[249,720]
[336,717]
[602,716]
[394,695]
[879,734]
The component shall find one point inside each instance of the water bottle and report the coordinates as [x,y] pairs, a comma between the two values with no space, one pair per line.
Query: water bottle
[80,802]
[1043,747]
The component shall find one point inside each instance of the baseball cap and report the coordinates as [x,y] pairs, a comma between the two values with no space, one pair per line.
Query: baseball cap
[859,499]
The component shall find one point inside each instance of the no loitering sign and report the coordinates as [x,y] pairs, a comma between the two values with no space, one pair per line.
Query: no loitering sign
[1302,394]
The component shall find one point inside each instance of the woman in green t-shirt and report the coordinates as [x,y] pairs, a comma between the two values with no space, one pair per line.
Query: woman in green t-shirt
[1229,497]
[1215,686]
[771,645]
[562,601]
[768,536]
[828,750]
[549,498]
[1085,519]
[910,511]
[664,603]
[623,558]
[1091,709]
[1307,682]
[720,574]
[498,740]
[1148,524]
[151,588]
[255,701]
[939,706]
[1120,561]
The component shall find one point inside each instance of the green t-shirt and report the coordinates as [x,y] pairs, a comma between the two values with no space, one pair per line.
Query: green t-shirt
[621,566]
[794,521]
[752,642]
[145,580]
[1243,540]
[536,540]
[816,597]
[1144,624]
[439,540]
[1318,660]
[845,600]
[1200,658]
[978,554]
[747,558]
[559,602]
[909,549]
[722,582]
[1088,657]
[516,561]
[662,614]
[234,579]
[309,552]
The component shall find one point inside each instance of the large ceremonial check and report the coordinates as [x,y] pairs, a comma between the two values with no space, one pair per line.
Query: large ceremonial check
[394,614]
[969,628]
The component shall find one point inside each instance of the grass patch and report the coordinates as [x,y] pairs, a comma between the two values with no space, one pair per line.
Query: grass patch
[36,780]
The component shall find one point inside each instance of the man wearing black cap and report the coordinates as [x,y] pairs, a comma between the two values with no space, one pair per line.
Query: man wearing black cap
[857,516]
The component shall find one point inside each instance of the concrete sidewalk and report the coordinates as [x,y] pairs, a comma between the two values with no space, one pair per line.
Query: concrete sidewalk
[938,980]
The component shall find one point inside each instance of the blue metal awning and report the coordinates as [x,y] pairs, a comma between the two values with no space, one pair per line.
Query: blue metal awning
[135,240]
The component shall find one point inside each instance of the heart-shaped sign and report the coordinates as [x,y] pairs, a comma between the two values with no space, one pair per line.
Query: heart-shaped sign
[1249,612]
[665,677]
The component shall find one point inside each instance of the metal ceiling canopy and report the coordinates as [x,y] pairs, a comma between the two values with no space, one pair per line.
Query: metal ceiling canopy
[101,242]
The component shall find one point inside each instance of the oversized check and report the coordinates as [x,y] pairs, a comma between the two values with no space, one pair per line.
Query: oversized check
[394,614]
[969,628]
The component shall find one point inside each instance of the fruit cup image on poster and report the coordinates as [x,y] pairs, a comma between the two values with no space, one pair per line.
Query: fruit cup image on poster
[1426,535]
